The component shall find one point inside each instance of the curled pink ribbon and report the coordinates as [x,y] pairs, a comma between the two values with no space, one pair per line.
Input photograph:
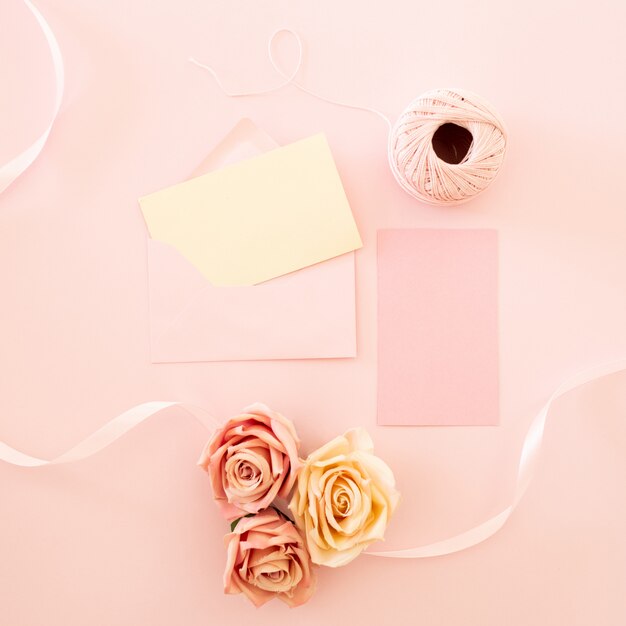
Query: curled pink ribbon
[106,435]
[123,423]
[12,170]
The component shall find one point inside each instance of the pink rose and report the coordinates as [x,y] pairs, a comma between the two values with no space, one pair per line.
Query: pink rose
[267,558]
[252,460]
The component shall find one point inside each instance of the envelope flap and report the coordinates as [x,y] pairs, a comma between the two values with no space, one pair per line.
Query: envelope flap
[244,141]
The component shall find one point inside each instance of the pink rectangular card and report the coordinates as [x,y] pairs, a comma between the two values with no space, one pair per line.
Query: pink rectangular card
[438,327]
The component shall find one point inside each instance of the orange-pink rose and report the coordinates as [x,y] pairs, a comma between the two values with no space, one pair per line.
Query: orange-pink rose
[252,460]
[267,558]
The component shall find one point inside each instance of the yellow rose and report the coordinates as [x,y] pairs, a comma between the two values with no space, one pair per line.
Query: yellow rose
[344,499]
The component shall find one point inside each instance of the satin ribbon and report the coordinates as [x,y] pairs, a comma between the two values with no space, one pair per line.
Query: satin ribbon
[525,470]
[120,425]
[12,170]
[108,434]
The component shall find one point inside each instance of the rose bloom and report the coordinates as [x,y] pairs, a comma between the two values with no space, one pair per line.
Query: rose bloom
[344,499]
[267,558]
[252,460]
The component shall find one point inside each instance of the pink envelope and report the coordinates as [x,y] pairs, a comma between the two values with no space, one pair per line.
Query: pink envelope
[307,314]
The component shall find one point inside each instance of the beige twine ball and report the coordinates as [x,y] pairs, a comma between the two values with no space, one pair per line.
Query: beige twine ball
[447,146]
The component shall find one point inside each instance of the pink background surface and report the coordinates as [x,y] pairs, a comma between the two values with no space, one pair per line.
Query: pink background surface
[130,536]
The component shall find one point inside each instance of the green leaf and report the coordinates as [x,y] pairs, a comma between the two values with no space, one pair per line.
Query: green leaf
[235,522]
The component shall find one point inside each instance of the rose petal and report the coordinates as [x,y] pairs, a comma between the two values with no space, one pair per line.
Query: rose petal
[344,499]
[266,559]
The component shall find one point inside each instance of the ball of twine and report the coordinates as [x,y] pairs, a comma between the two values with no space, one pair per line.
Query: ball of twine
[447,146]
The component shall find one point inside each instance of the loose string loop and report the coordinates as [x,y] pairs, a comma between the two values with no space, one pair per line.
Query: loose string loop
[290,79]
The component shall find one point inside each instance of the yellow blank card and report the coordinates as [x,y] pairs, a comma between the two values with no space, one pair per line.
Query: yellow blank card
[258,219]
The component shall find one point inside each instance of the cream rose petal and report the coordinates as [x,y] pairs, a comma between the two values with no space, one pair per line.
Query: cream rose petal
[359,439]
